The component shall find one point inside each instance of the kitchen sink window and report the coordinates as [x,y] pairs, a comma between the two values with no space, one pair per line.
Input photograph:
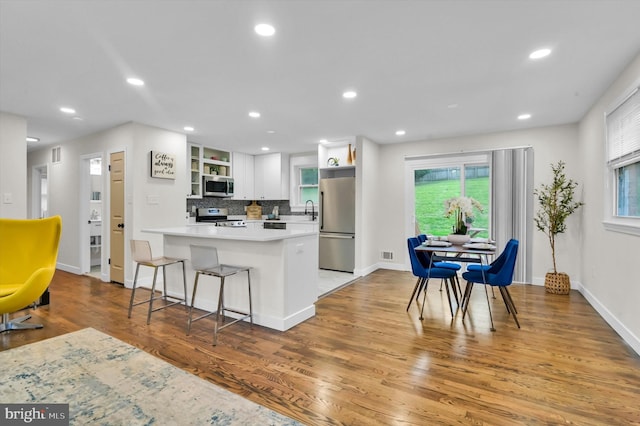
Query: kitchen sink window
[304,185]
[308,187]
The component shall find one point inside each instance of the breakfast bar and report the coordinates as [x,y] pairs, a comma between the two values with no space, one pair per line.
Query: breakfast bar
[283,263]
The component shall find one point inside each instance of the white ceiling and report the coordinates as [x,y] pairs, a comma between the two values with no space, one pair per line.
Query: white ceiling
[408,60]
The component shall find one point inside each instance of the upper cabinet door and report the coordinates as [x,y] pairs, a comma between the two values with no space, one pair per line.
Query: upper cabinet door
[271,180]
[243,176]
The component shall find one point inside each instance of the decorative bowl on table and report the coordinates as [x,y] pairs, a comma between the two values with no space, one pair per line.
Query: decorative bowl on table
[458,239]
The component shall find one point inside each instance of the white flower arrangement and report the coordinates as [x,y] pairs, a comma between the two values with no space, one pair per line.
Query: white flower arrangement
[462,208]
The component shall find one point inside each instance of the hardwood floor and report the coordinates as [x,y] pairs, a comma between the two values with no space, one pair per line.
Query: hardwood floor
[363,360]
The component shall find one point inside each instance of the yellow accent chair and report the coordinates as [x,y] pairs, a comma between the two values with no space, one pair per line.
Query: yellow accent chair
[28,255]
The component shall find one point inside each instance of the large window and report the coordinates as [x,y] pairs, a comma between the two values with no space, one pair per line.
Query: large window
[437,180]
[623,159]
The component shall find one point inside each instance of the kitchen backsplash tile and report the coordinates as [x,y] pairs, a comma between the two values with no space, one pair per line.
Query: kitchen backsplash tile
[236,207]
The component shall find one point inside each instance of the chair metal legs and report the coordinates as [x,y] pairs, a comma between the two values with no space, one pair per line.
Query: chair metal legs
[506,297]
[164,295]
[220,311]
[415,289]
[421,285]
[16,323]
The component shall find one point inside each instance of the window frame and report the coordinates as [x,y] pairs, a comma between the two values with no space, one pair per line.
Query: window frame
[612,221]
[297,164]
[442,161]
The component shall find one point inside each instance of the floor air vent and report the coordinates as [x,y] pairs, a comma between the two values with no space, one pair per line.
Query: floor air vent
[386,255]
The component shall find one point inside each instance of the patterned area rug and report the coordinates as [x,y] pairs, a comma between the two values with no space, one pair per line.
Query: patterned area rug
[106,381]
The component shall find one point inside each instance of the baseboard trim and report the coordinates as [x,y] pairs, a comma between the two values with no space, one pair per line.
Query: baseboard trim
[631,339]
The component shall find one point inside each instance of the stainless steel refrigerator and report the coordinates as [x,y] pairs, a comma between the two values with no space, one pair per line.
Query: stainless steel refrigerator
[337,223]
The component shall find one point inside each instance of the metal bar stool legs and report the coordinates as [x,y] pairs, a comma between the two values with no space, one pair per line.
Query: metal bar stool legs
[221,309]
[141,251]
[204,260]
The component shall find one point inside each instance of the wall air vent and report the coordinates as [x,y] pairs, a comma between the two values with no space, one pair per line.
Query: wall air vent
[386,255]
[55,155]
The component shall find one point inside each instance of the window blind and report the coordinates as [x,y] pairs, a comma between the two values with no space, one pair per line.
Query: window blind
[623,130]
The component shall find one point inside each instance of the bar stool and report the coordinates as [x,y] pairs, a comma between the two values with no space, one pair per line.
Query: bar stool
[141,253]
[204,261]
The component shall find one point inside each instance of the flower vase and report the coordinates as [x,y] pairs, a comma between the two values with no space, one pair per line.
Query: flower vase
[349,157]
[458,239]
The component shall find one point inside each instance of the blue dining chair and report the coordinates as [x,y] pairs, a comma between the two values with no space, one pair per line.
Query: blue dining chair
[498,274]
[425,258]
[424,274]
[497,262]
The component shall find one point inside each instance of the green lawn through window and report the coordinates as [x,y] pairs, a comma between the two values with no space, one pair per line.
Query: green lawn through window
[430,197]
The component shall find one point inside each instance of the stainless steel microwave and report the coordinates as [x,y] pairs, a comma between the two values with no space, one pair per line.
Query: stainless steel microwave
[217,186]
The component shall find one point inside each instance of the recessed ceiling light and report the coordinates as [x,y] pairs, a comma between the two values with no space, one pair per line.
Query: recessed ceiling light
[540,53]
[271,131]
[350,94]
[452,106]
[524,116]
[400,133]
[32,139]
[264,30]
[188,129]
[265,148]
[135,81]
[254,114]
[78,118]
[68,110]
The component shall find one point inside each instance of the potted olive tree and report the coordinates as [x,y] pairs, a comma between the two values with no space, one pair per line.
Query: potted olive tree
[556,205]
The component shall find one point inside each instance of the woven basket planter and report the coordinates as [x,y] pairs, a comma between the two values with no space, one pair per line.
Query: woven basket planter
[557,283]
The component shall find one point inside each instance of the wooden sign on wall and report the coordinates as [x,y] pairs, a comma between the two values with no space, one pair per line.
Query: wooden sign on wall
[163,165]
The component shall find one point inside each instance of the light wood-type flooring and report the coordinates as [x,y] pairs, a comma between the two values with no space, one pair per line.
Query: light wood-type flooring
[363,360]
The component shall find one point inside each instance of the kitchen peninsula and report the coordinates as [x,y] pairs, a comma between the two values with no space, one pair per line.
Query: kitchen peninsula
[284,279]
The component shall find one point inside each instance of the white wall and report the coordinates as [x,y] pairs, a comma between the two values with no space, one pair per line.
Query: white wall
[149,202]
[609,259]
[369,206]
[13,166]
[550,144]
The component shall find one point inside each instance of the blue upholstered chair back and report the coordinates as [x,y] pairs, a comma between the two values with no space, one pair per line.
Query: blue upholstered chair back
[418,269]
[499,261]
[421,270]
[424,257]
[501,273]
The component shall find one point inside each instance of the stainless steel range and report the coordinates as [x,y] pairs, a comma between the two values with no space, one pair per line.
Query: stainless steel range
[218,217]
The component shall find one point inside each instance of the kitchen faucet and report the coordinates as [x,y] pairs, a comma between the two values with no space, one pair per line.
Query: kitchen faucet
[313,212]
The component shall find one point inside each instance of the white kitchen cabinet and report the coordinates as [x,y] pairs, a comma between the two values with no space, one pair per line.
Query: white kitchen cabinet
[194,165]
[303,226]
[243,176]
[201,161]
[271,180]
[216,162]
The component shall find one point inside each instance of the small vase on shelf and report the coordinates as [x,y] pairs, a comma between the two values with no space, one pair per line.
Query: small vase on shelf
[349,157]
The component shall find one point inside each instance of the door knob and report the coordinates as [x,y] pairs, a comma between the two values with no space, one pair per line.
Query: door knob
[121,225]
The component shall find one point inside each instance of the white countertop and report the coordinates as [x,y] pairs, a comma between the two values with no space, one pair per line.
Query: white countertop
[287,219]
[231,233]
